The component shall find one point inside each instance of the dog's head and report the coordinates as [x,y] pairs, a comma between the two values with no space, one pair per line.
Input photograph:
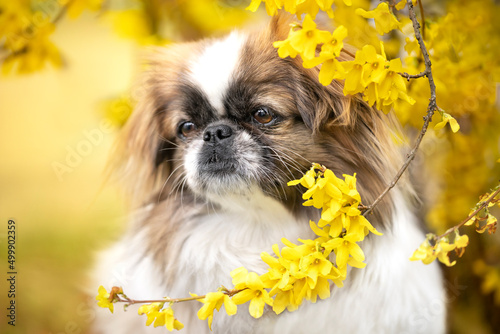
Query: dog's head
[229,117]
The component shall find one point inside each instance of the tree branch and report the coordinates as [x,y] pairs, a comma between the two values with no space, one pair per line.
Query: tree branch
[422,15]
[432,106]
[482,206]
[413,76]
[348,52]
[124,299]
[56,19]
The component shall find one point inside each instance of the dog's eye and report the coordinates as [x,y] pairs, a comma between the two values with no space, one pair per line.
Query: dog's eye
[263,115]
[187,129]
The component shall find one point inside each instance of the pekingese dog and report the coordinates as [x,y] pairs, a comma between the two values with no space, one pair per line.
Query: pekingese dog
[222,126]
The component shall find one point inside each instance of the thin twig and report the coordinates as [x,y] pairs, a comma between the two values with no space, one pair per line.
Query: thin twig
[124,299]
[413,76]
[25,48]
[422,15]
[348,52]
[165,300]
[392,6]
[485,203]
[432,106]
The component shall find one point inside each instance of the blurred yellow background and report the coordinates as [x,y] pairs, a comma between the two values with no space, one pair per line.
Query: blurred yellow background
[61,221]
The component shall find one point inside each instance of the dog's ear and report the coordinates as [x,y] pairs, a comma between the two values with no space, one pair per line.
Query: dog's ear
[140,153]
[145,147]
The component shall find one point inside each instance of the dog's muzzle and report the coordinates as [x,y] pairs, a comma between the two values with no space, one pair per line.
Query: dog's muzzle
[218,152]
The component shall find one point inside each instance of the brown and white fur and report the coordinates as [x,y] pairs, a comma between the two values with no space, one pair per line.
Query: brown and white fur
[213,200]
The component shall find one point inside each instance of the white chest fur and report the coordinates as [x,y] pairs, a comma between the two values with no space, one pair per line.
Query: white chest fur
[390,295]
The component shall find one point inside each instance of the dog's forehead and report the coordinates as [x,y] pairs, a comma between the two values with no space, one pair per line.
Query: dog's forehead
[213,69]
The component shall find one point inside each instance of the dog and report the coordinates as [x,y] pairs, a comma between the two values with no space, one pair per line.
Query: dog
[221,126]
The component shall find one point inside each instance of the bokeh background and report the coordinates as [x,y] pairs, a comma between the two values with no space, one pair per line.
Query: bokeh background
[63,101]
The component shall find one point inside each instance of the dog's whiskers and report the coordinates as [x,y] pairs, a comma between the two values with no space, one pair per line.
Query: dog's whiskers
[168,141]
[166,181]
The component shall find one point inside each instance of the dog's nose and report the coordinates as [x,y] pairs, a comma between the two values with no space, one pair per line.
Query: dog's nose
[216,133]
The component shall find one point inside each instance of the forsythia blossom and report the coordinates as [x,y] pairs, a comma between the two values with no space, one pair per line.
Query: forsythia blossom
[427,252]
[160,316]
[103,299]
[298,7]
[385,21]
[253,290]
[448,119]
[214,301]
[372,74]
[440,247]
[304,271]
[484,220]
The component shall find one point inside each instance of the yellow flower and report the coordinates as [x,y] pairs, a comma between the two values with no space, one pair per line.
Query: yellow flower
[326,6]
[302,290]
[390,79]
[400,5]
[411,46]
[331,70]
[347,2]
[323,192]
[166,318]
[304,271]
[360,227]
[375,63]
[290,6]
[254,291]
[323,188]
[12,17]
[447,119]
[214,301]
[309,7]
[345,247]
[150,311]
[308,180]
[321,290]
[118,109]
[315,266]
[279,270]
[385,21]
[272,6]
[285,49]
[160,317]
[370,73]
[284,300]
[424,253]
[38,51]
[350,187]
[299,292]
[354,82]
[296,252]
[292,298]
[461,241]
[306,39]
[491,225]
[442,248]
[336,225]
[428,253]
[103,299]
[78,6]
